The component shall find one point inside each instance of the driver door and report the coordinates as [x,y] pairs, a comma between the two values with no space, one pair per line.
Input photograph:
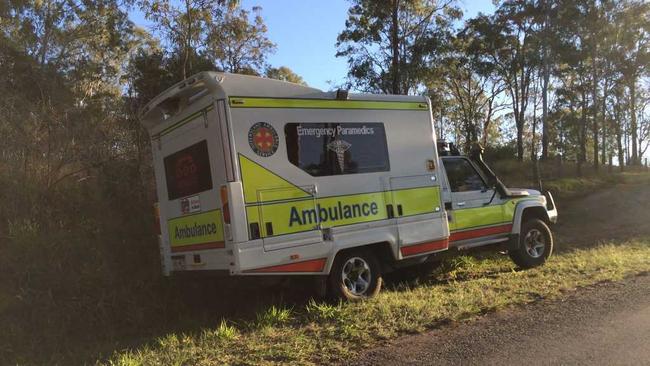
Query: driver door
[470,196]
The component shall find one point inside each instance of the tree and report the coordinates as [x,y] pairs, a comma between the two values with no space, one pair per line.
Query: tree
[238,45]
[63,61]
[391,46]
[474,89]
[285,74]
[184,25]
[634,44]
[506,40]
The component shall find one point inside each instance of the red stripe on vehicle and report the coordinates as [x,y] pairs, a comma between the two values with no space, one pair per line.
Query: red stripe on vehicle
[313,265]
[425,247]
[477,233]
[202,246]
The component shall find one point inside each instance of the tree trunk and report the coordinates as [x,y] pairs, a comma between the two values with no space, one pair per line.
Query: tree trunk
[545,80]
[545,114]
[395,48]
[619,134]
[595,125]
[633,126]
[582,158]
[604,124]
[520,140]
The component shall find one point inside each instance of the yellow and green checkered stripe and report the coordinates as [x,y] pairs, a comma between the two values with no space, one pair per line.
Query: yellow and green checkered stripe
[248,102]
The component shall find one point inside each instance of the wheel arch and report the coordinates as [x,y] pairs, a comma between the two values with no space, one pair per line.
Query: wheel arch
[527,210]
[383,252]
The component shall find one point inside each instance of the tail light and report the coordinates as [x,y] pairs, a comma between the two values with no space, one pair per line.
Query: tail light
[225,210]
[156,217]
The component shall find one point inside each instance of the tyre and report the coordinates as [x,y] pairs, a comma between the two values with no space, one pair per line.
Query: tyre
[535,244]
[355,275]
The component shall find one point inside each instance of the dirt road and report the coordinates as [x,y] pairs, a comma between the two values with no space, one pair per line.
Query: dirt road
[617,213]
[608,324]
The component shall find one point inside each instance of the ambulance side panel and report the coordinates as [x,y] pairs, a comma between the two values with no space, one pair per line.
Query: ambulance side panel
[306,194]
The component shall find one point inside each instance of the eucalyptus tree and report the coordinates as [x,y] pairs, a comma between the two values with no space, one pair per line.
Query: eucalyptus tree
[63,61]
[238,44]
[634,51]
[391,46]
[475,90]
[507,41]
[285,74]
[184,26]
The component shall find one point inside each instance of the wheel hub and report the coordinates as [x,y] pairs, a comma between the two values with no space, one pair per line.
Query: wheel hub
[356,275]
[535,243]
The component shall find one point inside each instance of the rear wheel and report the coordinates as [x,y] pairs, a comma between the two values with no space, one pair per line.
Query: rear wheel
[355,275]
[535,244]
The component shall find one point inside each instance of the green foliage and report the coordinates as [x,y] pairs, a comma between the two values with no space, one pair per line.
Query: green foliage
[285,74]
[322,333]
[321,311]
[224,332]
[392,45]
[273,316]
[80,263]
[238,45]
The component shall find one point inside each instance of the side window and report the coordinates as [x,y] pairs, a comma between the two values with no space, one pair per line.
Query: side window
[188,171]
[322,149]
[462,176]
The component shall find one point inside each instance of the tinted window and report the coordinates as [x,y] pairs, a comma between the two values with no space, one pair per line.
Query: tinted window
[337,148]
[462,176]
[188,171]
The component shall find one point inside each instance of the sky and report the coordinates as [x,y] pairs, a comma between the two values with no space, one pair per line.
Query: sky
[305,32]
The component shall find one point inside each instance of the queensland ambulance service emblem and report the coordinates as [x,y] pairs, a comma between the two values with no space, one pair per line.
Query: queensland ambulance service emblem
[263,139]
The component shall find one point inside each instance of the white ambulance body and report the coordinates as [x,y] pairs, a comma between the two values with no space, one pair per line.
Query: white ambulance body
[257,176]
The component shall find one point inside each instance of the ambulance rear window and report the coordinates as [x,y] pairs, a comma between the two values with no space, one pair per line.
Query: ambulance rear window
[322,149]
[188,171]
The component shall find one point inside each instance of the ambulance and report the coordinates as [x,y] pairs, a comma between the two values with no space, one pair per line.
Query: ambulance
[259,177]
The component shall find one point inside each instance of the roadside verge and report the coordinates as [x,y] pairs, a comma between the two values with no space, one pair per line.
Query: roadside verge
[323,333]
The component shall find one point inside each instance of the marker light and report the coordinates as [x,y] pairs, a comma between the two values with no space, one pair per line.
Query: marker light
[225,210]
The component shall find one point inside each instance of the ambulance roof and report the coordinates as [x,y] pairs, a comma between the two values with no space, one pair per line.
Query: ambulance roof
[223,85]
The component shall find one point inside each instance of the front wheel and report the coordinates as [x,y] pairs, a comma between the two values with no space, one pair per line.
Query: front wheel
[535,244]
[355,275]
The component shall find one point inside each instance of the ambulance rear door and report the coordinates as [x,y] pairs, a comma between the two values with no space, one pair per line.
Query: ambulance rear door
[190,168]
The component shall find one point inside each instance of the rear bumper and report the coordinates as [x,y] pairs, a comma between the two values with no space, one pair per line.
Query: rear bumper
[201,273]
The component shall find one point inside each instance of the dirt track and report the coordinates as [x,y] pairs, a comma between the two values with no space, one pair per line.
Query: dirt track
[617,213]
[608,324]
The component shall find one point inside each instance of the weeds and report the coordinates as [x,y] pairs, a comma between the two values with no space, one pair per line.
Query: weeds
[322,332]
[273,316]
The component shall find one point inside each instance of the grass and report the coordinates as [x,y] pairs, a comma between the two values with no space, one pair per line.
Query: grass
[323,333]
[80,278]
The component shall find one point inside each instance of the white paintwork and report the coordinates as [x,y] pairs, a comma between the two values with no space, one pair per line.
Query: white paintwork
[411,143]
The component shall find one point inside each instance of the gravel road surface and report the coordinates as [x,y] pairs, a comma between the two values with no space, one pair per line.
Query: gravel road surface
[607,324]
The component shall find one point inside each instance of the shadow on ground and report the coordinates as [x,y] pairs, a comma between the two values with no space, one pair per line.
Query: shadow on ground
[617,213]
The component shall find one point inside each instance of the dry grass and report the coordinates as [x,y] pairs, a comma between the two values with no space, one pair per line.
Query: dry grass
[80,277]
[323,333]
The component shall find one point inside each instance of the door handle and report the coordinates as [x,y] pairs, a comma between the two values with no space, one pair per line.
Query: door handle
[461,204]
